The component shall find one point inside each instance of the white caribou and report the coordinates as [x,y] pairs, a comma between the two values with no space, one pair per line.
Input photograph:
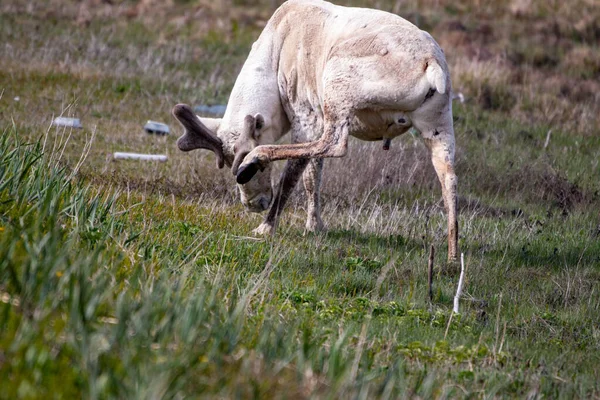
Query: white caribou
[323,72]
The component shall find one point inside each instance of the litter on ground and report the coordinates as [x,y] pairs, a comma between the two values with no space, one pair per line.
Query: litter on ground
[68,122]
[138,156]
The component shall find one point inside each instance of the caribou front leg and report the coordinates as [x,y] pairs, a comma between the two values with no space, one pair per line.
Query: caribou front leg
[312,186]
[291,174]
[333,143]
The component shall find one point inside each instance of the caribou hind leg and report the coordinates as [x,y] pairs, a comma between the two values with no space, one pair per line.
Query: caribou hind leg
[442,158]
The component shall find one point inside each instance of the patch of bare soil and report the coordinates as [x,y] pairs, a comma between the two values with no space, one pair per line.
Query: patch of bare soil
[542,183]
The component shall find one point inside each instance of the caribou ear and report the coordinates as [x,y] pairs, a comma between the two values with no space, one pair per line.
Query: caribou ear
[247,140]
[259,124]
[197,135]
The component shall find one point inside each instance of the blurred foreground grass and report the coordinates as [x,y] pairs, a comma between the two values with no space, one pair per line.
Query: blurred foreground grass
[139,280]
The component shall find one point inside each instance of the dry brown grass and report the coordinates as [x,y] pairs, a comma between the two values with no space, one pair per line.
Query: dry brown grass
[538,60]
[534,61]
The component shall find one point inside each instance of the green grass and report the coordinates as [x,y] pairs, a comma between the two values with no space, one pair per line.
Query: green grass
[130,280]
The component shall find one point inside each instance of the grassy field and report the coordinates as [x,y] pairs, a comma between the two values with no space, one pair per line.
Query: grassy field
[142,280]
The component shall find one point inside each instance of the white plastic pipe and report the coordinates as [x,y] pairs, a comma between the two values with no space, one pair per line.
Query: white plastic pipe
[142,157]
[68,122]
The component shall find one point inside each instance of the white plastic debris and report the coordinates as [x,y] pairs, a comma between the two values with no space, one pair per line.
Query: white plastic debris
[68,122]
[142,157]
[17,98]
[157,128]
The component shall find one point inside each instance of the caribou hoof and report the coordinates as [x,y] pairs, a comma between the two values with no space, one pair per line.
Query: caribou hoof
[453,260]
[247,171]
[264,229]
[315,225]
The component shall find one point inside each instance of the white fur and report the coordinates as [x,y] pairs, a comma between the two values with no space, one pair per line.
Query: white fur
[324,72]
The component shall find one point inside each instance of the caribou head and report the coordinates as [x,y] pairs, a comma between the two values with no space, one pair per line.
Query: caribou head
[230,148]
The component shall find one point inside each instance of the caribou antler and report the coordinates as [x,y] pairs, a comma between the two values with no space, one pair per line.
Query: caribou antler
[197,136]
